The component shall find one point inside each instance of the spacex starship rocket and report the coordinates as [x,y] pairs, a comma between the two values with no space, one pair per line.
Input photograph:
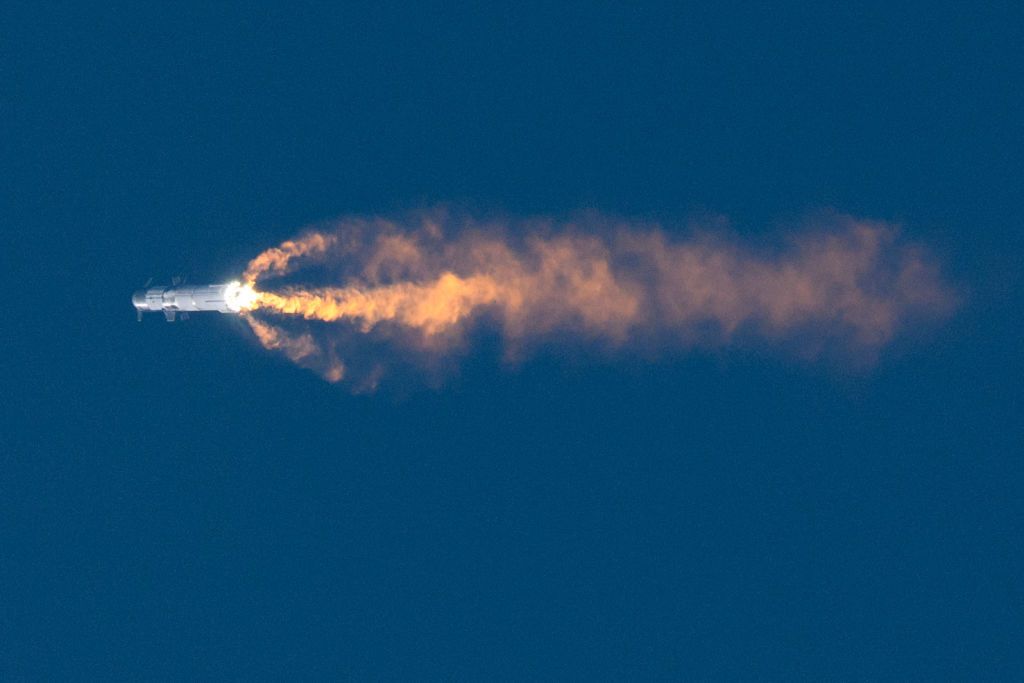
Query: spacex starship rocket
[180,299]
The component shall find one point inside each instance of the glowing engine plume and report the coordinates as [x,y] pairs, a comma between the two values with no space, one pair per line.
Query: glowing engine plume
[240,297]
[417,289]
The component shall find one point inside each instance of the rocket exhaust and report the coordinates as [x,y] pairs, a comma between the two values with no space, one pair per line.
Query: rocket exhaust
[375,292]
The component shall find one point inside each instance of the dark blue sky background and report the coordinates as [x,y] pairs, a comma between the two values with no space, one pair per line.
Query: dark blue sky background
[176,502]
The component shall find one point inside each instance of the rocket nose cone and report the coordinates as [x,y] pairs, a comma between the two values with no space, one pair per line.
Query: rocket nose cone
[139,299]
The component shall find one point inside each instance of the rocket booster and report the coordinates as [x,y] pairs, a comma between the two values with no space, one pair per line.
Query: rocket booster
[231,297]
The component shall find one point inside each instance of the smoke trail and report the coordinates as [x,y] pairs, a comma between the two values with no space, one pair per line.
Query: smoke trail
[276,260]
[299,349]
[415,289]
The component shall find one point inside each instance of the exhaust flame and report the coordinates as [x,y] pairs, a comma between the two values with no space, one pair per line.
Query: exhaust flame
[240,297]
[418,290]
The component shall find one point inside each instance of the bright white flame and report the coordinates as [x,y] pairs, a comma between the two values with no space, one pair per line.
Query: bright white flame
[240,297]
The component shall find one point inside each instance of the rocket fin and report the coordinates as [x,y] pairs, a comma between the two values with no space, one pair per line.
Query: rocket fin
[170,316]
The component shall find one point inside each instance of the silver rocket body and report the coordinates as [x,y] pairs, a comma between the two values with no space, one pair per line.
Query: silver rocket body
[184,299]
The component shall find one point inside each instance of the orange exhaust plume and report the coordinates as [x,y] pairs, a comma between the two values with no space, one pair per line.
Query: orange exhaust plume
[419,289]
[299,349]
[275,260]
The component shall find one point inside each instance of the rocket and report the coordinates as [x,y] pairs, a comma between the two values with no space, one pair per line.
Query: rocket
[231,297]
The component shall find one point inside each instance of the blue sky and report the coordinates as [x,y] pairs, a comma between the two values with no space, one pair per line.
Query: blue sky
[178,502]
